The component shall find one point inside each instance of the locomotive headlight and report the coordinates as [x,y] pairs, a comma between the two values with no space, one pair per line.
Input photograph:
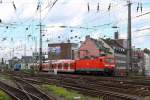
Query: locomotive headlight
[112,65]
[107,65]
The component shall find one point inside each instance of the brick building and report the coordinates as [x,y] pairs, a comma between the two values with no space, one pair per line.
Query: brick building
[61,51]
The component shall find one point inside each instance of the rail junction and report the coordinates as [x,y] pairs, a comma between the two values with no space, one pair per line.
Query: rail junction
[109,88]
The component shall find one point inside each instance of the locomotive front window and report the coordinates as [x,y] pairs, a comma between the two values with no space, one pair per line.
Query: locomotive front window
[109,60]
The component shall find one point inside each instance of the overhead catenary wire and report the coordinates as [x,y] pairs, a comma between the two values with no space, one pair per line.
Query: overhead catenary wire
[23,25]
[146,13]
[20,23]
[77,27]
[144,29]
[50,7]
[79,16]
[136,16]
[102,25]
[105,12]
[97,26]
[111,8]
[122,20]
[140,36]
[109,5]
[54,3]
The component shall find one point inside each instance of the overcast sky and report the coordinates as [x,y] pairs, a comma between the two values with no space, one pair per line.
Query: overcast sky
[20,19]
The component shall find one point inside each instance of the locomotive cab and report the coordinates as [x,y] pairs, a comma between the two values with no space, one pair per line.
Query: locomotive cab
[109,65]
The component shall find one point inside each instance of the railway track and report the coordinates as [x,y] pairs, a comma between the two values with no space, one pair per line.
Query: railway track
[109,88]
[24,90]
[100,92]
[15,93]
[93,91]
[31,89]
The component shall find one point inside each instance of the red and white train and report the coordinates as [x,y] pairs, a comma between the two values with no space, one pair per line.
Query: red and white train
[104,64]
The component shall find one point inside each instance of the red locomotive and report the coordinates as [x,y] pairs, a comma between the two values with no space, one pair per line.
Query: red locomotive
[104,64]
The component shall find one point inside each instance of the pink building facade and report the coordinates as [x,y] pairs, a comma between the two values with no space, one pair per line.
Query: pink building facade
[92,48]
[88,48]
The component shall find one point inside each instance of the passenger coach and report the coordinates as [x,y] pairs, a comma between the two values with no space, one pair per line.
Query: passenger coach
[105,64]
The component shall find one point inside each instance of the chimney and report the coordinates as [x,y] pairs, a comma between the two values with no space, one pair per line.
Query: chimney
[87,36]
[68,41]
[116,35]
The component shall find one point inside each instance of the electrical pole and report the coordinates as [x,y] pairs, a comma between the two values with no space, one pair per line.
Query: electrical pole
[35,49]
[25,46]
[40,45]
[129,42]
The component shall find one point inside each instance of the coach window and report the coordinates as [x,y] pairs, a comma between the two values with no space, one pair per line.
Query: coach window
[52,66]
[59,66]
[66,64]
[55,65]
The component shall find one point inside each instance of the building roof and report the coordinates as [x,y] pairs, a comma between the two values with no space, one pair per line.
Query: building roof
[54,44]
[107,44]
[98,43]
[113,43]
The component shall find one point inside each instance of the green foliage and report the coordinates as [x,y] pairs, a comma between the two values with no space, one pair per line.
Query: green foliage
[28,71]
[4,96]
[67,94]
[109,52]
[4,77]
